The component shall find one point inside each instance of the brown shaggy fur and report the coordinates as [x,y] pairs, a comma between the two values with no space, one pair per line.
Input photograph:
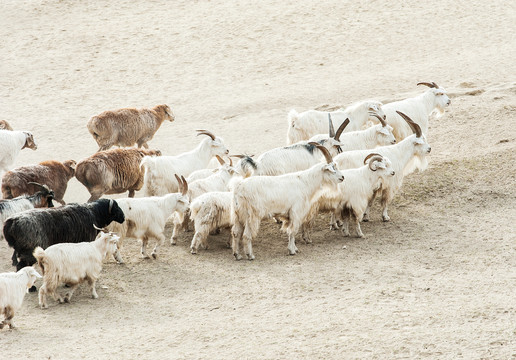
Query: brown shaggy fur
[125,127]
[52,173]
[4,125]
[113,171]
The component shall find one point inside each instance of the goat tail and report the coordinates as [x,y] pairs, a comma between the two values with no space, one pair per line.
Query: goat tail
[292,117]
[42,259]
[145,168]
[92,127]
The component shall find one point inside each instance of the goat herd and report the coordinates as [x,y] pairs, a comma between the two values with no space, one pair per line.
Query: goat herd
[374,147]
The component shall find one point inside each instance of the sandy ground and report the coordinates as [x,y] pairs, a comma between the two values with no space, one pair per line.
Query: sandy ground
[438,281]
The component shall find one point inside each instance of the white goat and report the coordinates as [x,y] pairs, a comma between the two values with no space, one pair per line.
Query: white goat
[209,212]
[352,196]
[201,174]
[286,196]
[159,171]
[11,143]
[71,264]
[419,108]
[146,218]
[216,182]
[292,158]
[302,126]
[402,156]
[377,135]
[13,287]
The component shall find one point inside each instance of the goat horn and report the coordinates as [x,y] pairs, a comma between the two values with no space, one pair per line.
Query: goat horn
[230,161]
[325,151]
[373,159]
[382,121]
[415,127]
[44,187]
[332,130]
[371,155]
[206,132]
[97,228]
[221,161]
[341,129]
[111,202]
[179,183]
[185,184]
[430,85]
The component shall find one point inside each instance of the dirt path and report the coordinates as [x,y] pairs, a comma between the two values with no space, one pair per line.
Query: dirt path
[435,282]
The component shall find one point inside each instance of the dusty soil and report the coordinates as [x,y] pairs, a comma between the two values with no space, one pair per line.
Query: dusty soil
[438,281]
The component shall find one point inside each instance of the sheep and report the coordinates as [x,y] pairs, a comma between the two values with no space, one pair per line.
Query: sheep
[146,217]
[216,182]
[4,125]
[159,180]
[52,173]
[113,171]
[302,126]
[403,156]
[125,127]
[72,264]
[296,157]
[419,108]
[288,196]
[377,135]
[11,143]
[352,197]
[209,212]
[71,223]
[13,287]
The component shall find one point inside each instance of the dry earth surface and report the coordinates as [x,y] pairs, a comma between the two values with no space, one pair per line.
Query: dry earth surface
[438,281]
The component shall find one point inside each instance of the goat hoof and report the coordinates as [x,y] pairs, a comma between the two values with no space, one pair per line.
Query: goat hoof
[154,256]
[386,219]
[237,256]
[250,257]
[193,251]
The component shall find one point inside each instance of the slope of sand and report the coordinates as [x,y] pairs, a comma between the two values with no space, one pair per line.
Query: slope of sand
[438,281]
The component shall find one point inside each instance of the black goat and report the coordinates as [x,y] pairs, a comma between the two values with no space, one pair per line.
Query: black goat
[72,223]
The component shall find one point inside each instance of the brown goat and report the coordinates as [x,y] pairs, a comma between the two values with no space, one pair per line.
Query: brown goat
[52,173]
[4,125]
[113,171]
[125,127]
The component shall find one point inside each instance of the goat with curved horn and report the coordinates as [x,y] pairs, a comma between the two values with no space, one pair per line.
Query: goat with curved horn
[381,119]
[331,132]
[415,127]
[325,151]
[206,132]
[183,185]
[341,129]
[220,160]
[44,187]
[430,85]
[370,156]
[373,159]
